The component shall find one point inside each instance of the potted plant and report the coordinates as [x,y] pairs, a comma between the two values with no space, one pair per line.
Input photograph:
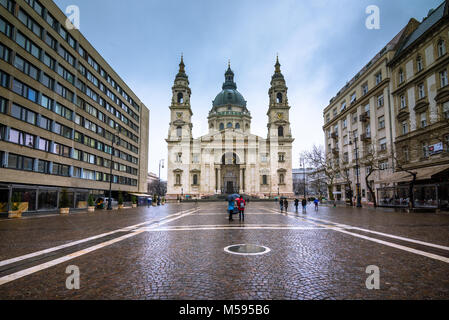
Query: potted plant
[91,203]
[163,200]
[15,211]
[134,201]
[120,200]
[64,205]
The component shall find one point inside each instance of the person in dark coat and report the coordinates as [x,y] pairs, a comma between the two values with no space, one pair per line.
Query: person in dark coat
[304,205]
[286,205]
[281,204]
[296,204]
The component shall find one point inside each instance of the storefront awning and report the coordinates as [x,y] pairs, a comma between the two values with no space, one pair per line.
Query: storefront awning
[140,195]
[421,174]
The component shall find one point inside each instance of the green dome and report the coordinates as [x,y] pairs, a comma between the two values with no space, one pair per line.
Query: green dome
[229,95]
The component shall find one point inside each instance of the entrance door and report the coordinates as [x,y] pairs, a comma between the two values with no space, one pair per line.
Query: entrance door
[230,187]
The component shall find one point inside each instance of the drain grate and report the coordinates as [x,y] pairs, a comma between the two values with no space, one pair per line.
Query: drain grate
[247,249]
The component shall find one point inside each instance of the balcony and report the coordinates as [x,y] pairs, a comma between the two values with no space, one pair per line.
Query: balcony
[334,135]
[365,137]
[364,117]
[335,151]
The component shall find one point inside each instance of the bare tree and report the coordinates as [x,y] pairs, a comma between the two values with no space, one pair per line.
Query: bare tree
[370,161]
[346,175]
[318,159]
[157,187]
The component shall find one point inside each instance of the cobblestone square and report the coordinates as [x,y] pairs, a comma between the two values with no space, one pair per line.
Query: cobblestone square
[177,251]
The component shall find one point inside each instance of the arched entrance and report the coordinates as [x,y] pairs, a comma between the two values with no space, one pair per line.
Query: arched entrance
[230,173]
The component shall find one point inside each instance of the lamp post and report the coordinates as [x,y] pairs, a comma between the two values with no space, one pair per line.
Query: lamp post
[161,162]
[359,200]
[110,173]
[303,164]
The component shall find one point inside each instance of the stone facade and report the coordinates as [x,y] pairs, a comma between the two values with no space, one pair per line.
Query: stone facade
[229,159]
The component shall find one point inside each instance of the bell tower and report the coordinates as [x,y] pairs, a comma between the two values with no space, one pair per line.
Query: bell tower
[180,109]
[279,110]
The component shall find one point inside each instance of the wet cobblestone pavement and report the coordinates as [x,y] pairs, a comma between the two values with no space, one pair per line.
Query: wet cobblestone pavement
[177,252]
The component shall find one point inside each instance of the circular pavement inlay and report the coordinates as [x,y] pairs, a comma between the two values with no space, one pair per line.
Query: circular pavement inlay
[247,249]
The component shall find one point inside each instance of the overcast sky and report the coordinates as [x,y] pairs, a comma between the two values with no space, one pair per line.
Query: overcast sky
[321,45]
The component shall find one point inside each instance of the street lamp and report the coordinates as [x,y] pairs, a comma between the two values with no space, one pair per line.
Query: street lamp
[161,162]
[303,164]
[110,171]
[359,200]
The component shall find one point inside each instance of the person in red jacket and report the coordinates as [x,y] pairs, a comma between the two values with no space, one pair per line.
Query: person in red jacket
[241,203]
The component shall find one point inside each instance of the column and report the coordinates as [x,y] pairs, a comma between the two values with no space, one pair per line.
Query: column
[241,181]
[219,180]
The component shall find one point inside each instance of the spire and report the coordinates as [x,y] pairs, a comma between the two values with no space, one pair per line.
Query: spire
[182,65]
[229,78]
[277,65]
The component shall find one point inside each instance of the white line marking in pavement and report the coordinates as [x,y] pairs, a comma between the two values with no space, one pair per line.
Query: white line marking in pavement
[428,244]
[74,243]
[230,228]
[55,262]
[386,243]
[49,264]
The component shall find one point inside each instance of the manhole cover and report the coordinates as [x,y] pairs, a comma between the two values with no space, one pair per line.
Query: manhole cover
[247,249]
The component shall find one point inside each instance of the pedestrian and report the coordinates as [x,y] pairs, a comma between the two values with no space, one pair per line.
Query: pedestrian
[281,204]
[286,205]
[304,205]
[296,204]
[241,203]
[149,200]
[316,201]
[230,209]
[335,203]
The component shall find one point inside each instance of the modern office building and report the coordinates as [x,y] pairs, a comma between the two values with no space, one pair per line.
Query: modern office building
[65,116]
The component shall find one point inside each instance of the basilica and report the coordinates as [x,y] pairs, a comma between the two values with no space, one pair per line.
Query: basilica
[229,159]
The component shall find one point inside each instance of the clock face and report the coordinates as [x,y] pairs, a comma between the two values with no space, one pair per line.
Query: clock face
[280,116]
[179,115]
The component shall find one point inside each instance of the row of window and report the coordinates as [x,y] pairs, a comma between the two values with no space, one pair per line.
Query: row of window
[39,143]
[19,162]
[36,51]
[46,16]
[43,122]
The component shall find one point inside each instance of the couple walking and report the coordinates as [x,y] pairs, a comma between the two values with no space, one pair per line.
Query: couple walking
[240,203]
[283,203]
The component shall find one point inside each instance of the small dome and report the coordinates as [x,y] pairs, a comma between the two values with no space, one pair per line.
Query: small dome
[229,96]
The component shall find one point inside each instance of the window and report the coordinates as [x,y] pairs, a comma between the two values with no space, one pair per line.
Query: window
[280,131]
[346,157]
[354,117]
[49,61]
[30,23]
[380,101]
[279,98]
[381,121]
[5,27]
[23,114]
[378,78]
[66,55]
[8,4]
[446,141]
[43,166]
[26,67]
[404,126]
[367,110]
[195,179]
[334,113]
[60,170]
[4,79]
[44,145]
[23,90]
[401,76]
[383,144]
[383,165]
[353,97]
[229,125]
[419,63]
[48,81]
[61,150]
[342,107]
[446,110]
[264,158]
[3,105]
[179,132]
[46,102]
[443,78]
[264,180]
[405,154]
[345,123]
[44,123]
[5,53]
[20,162]
[63,72]
[178,179]
[365,89]
[403,101]
[441,48]
[281,157]
[237,125]
[423,120]
[425,149]
[421,91]
[28,45]
[281,178]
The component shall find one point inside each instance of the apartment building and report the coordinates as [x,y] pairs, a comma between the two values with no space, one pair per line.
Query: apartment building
[358,129]
[420,93]
[66,117]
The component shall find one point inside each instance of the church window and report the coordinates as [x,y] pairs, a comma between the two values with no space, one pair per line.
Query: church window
[281,178]
[281,157]
[179,132]
[229,125]
[237,125]
[279,97]
[281,131]
[180,98]
[178,179]
[221,126]
[195,179]
[264,179]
